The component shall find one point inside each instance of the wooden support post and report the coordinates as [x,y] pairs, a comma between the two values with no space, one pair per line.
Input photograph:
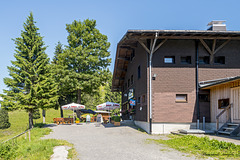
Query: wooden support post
[29,135]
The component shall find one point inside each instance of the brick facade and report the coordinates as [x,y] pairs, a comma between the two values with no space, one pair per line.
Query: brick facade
[172,79]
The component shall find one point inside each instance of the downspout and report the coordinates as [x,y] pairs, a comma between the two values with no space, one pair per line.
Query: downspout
[150,83]
[197,86]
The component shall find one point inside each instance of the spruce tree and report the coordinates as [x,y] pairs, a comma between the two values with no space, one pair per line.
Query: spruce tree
[86,57]
[4,119]
[31,85]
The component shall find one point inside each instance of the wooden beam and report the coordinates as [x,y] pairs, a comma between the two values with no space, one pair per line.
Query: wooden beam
[206,46]
[214,45]
[124,58]
[144,46]
[220,47]
[160,44]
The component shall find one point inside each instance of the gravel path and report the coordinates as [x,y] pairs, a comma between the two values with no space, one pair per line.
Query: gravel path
[117,143]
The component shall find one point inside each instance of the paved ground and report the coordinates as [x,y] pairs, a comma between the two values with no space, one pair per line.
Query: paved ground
[117,143]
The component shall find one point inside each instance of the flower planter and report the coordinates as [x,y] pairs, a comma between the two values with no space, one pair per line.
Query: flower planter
[117,124]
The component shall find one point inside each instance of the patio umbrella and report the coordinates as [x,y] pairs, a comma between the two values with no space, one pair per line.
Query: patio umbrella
[73,107]
[108,106]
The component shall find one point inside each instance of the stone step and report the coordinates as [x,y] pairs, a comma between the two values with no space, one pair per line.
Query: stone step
[224,132]
[228,128]
[232,124]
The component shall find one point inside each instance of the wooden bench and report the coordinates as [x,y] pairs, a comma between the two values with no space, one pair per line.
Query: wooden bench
[63,120]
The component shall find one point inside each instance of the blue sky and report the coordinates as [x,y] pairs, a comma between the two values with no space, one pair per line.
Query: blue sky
[113,18]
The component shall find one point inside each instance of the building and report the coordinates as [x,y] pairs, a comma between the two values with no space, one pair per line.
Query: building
[181,63]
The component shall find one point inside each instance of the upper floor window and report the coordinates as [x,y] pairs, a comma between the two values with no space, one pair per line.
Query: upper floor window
[139,72]
[186,60]
[131,79]
[132,55]
[219,60]
[169,59]
[204,60]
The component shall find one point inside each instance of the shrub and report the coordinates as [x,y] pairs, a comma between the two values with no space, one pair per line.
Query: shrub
[7,151]
[117,118]
[4,119]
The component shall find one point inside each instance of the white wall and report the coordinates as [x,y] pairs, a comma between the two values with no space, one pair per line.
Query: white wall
[167,128]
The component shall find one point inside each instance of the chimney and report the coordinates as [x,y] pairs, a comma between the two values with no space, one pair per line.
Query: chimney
[217,26]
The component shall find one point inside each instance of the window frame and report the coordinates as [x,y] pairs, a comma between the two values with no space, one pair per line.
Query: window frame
[188,60]
[168,57]
[218,59]
[185,100]
[139,72]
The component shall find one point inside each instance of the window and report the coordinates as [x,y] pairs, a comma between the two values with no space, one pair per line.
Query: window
[219,60]
[169,59]
[181,97]
[139,72]
[222,103]
[131,79]
[128,82]
[186,60]
[139,100]
[203,60]
[143,99]
[125,86]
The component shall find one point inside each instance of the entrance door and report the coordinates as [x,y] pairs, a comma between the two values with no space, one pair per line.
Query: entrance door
[235,101]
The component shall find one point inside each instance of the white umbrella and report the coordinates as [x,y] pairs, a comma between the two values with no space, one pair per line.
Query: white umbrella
[73,107]
[108,106]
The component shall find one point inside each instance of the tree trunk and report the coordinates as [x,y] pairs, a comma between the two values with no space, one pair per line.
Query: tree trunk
[43,115]
[61,112]
[30,114]
[79,102]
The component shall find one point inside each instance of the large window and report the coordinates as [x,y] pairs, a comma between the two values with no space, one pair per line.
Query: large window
[219,60]
[131,79]
[204,60]
[186,60]
[169,59]
[181,97]
[139,72]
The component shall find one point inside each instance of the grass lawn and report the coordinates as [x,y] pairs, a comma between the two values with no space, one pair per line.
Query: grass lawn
[19,121]
[202,146]
[21,148]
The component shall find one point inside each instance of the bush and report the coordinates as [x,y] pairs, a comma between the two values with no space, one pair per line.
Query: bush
[4,119]
[7,151]
[117,118]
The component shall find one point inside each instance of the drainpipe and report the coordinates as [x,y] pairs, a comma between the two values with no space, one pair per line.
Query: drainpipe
[150,83]
[197,86]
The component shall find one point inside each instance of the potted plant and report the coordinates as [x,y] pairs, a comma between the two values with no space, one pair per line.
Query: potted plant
[77,120]
[117,121]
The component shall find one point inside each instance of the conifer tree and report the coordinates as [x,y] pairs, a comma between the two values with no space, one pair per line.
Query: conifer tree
[31,85]
[4,119]
[85,59]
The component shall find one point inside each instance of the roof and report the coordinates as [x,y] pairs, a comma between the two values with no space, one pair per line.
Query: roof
[213,83]
[130,40]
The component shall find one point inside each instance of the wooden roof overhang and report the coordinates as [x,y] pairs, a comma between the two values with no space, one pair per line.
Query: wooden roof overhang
[223,82]
[130,40]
